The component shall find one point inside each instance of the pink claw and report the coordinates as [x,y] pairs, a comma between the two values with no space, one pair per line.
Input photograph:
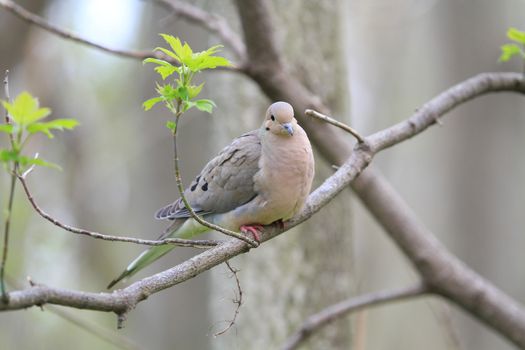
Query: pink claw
[254,229]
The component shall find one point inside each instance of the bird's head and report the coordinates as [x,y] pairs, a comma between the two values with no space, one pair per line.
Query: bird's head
[280,119]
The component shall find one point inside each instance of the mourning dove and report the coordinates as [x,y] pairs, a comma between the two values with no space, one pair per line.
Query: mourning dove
[263,176]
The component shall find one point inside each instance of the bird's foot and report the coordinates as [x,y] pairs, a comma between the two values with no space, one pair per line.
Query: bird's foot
[279,223]
[254,229]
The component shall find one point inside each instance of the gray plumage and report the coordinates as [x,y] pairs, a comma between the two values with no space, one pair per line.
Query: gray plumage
[263,176]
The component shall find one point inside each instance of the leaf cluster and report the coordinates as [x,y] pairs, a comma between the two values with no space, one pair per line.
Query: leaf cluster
[516,48]
[26,118]
[180,95]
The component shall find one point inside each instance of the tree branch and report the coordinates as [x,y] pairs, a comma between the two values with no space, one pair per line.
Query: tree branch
[30,17]
[213,23]
[92,234]
[334,312]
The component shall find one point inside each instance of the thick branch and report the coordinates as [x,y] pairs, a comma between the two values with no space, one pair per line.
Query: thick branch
[334,312]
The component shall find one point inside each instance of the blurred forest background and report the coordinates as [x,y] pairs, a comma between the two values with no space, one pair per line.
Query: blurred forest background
[373,62]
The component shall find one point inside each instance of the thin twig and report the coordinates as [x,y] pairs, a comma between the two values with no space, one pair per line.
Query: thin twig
[211,22]
[334,312]
[176,241]
[325,118]
[30,17]
[178,179]
[7,225]
[237,300]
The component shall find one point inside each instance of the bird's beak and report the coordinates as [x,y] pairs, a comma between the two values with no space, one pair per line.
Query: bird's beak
[289,128]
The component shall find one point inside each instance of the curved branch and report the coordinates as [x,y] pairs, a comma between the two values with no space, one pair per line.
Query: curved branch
[97,235]
[30,17]
[334,312]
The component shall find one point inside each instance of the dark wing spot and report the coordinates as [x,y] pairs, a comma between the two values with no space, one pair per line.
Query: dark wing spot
[205,187]
[194,186]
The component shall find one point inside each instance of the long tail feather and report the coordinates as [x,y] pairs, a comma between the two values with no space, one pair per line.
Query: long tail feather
[143,260]
[180,228]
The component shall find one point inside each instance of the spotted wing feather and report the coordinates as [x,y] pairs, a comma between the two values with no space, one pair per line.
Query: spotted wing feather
[225,183]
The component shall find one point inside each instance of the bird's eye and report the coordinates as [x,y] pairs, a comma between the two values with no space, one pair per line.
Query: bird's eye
[272,117]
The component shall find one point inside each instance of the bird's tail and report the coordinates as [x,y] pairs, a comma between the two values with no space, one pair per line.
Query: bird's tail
[175,230]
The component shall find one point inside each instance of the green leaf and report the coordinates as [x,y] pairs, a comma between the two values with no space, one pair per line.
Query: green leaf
[41,162]
[7,128]
[212,62]
[39,127]
[156,61]
[508,51]
[167,92]
[25,109]
[148,104]
[165,69]
[63,123]
[183,52]
[205,105]
[194,91]
[8,155]
[57,124]
[168,53]
[516,35]
[183,93]
[171,125]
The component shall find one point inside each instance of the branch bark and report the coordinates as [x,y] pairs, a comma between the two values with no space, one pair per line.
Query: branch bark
[334,312]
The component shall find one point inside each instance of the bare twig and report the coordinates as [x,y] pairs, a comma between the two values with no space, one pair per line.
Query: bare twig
[237,300]
[176,241]
[325,118]
[8,215]
[30,17]
[212,22]
[192,212]
[334,312]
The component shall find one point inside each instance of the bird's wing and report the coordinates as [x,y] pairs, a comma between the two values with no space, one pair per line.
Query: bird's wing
[225,183]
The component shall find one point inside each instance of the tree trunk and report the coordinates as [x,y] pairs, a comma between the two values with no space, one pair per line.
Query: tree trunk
[310,267]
